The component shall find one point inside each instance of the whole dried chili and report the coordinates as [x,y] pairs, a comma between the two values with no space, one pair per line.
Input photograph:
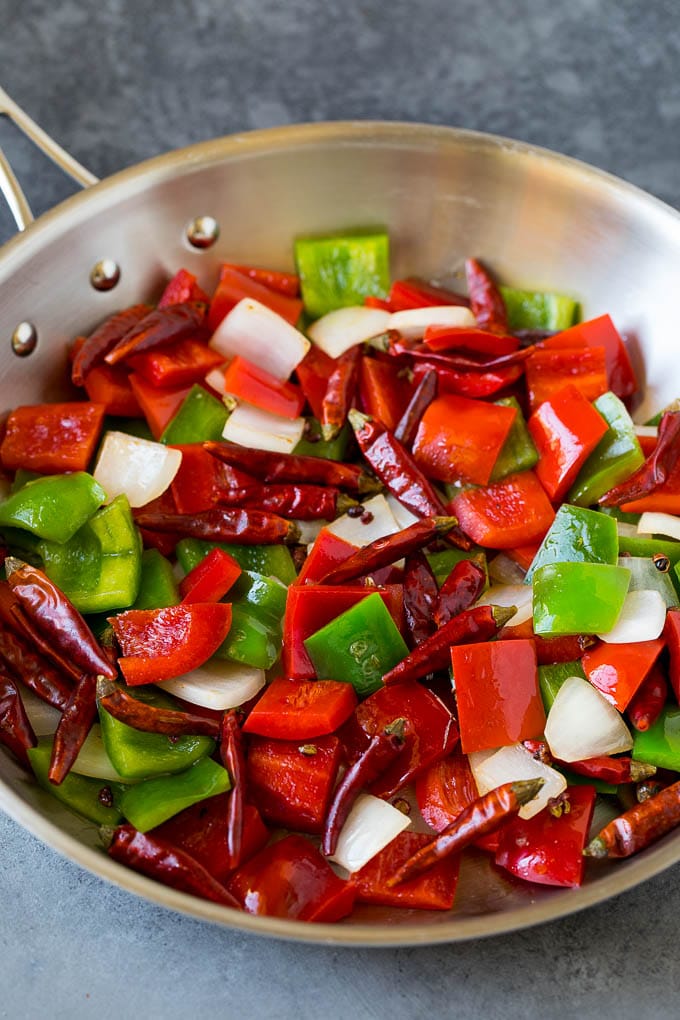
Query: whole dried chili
[459,362]
[486,300]
[484,815]
[56,618]
[648,702]
[420,598]
[636,828]
[16,731]
[248,527]
[339,393]
[156,858]
[22,661]
[390,548]
[152,719]
[74,726]
[478,624]
[381,752]
[288,467]
[159,327]
[612,770]
[655,470]
[460,590]
[233,759]
[105,337]
[423,395]
[301,502]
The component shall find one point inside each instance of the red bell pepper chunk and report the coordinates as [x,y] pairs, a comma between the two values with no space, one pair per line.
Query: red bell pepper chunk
[244,379]
[601,332]
[524,555]
[548,849]
[415,293]
[460,438]
[671,636]
[109,385]
[52,438]
[201,831]
[384,394]
[291,783]
[430,731]
[200,479]
[185,363]
[311,607]
[234,286]
[444,790]
[182,287]
[618,670]
[565,428]
[506,514]
[469,338]
[549,370]
[328,551]
[211,579]
[375,302]
[159,405]
[158,644]
[434,889]
[291,879]
[274,279]
[313,374]
[468,383]
[497,693]
[301,709]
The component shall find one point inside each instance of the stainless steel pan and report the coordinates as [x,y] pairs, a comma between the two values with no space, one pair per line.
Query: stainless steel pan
[539,219]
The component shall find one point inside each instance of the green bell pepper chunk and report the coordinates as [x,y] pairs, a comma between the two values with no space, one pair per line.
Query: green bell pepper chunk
[551,678]
[157,587]
[260,596]
[251,640]
[577,536]
[342,270]
[313,444]
[155,800]
[442,563]
[631,545]
[22,477]
[518,452]
[578,598]
[138,755]
[99,568]
[79,793]
[644,575]
[620,515]
[270,560]
[660,744]
[201,417]
[530,309]
[53,507]
[358,647]
[614,458]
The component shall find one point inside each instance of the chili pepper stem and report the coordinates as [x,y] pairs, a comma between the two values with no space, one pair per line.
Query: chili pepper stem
[596,848]
[526,789]
[502,614]
[343,503]
[368,485]
[640,770]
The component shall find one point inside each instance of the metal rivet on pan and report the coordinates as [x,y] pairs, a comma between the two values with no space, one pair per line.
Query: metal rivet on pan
[203,232]
[24,339]
[105,274]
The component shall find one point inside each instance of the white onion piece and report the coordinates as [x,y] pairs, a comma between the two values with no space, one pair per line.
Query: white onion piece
[644,574]
[402,514]
[262,336]
[43,717]
[93,760]
[412,322]
[138,468]
[659,524]
[626,530]
[504,570]
[371,825]
[511,764]
[352,529]
[642,618]
[582,724]
[215,379]
[343,328]
[217,684]
[309,531]
[647,431]
[252,426]
[518,595]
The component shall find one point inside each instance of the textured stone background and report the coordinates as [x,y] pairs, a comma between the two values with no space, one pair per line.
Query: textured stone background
[121,80]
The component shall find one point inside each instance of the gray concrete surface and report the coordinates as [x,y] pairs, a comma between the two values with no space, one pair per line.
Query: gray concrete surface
[120,80]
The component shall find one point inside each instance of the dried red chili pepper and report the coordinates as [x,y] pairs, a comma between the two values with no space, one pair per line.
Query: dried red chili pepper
[155,857]
[478,624]
[74,726]
[611,770]
[340,391]
[470,384]
[152,719]
[159,327]
[484,815]
[381,752]
[301,502]
[470,338]
[648,701]
[458,362]
[233,759]
[414,292]
[16,731]
[486,300]
[32,668]
[249,527]
[16,621]
[638,827]
[56,618]
[655,470]
[424,394]
[420,597]
[460,590]
[288,467]
[390,548]
[105,337]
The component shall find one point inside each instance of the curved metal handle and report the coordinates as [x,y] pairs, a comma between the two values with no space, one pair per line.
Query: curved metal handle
[9,186]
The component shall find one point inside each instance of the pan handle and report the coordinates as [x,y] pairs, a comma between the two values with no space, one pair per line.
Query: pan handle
[9,186]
